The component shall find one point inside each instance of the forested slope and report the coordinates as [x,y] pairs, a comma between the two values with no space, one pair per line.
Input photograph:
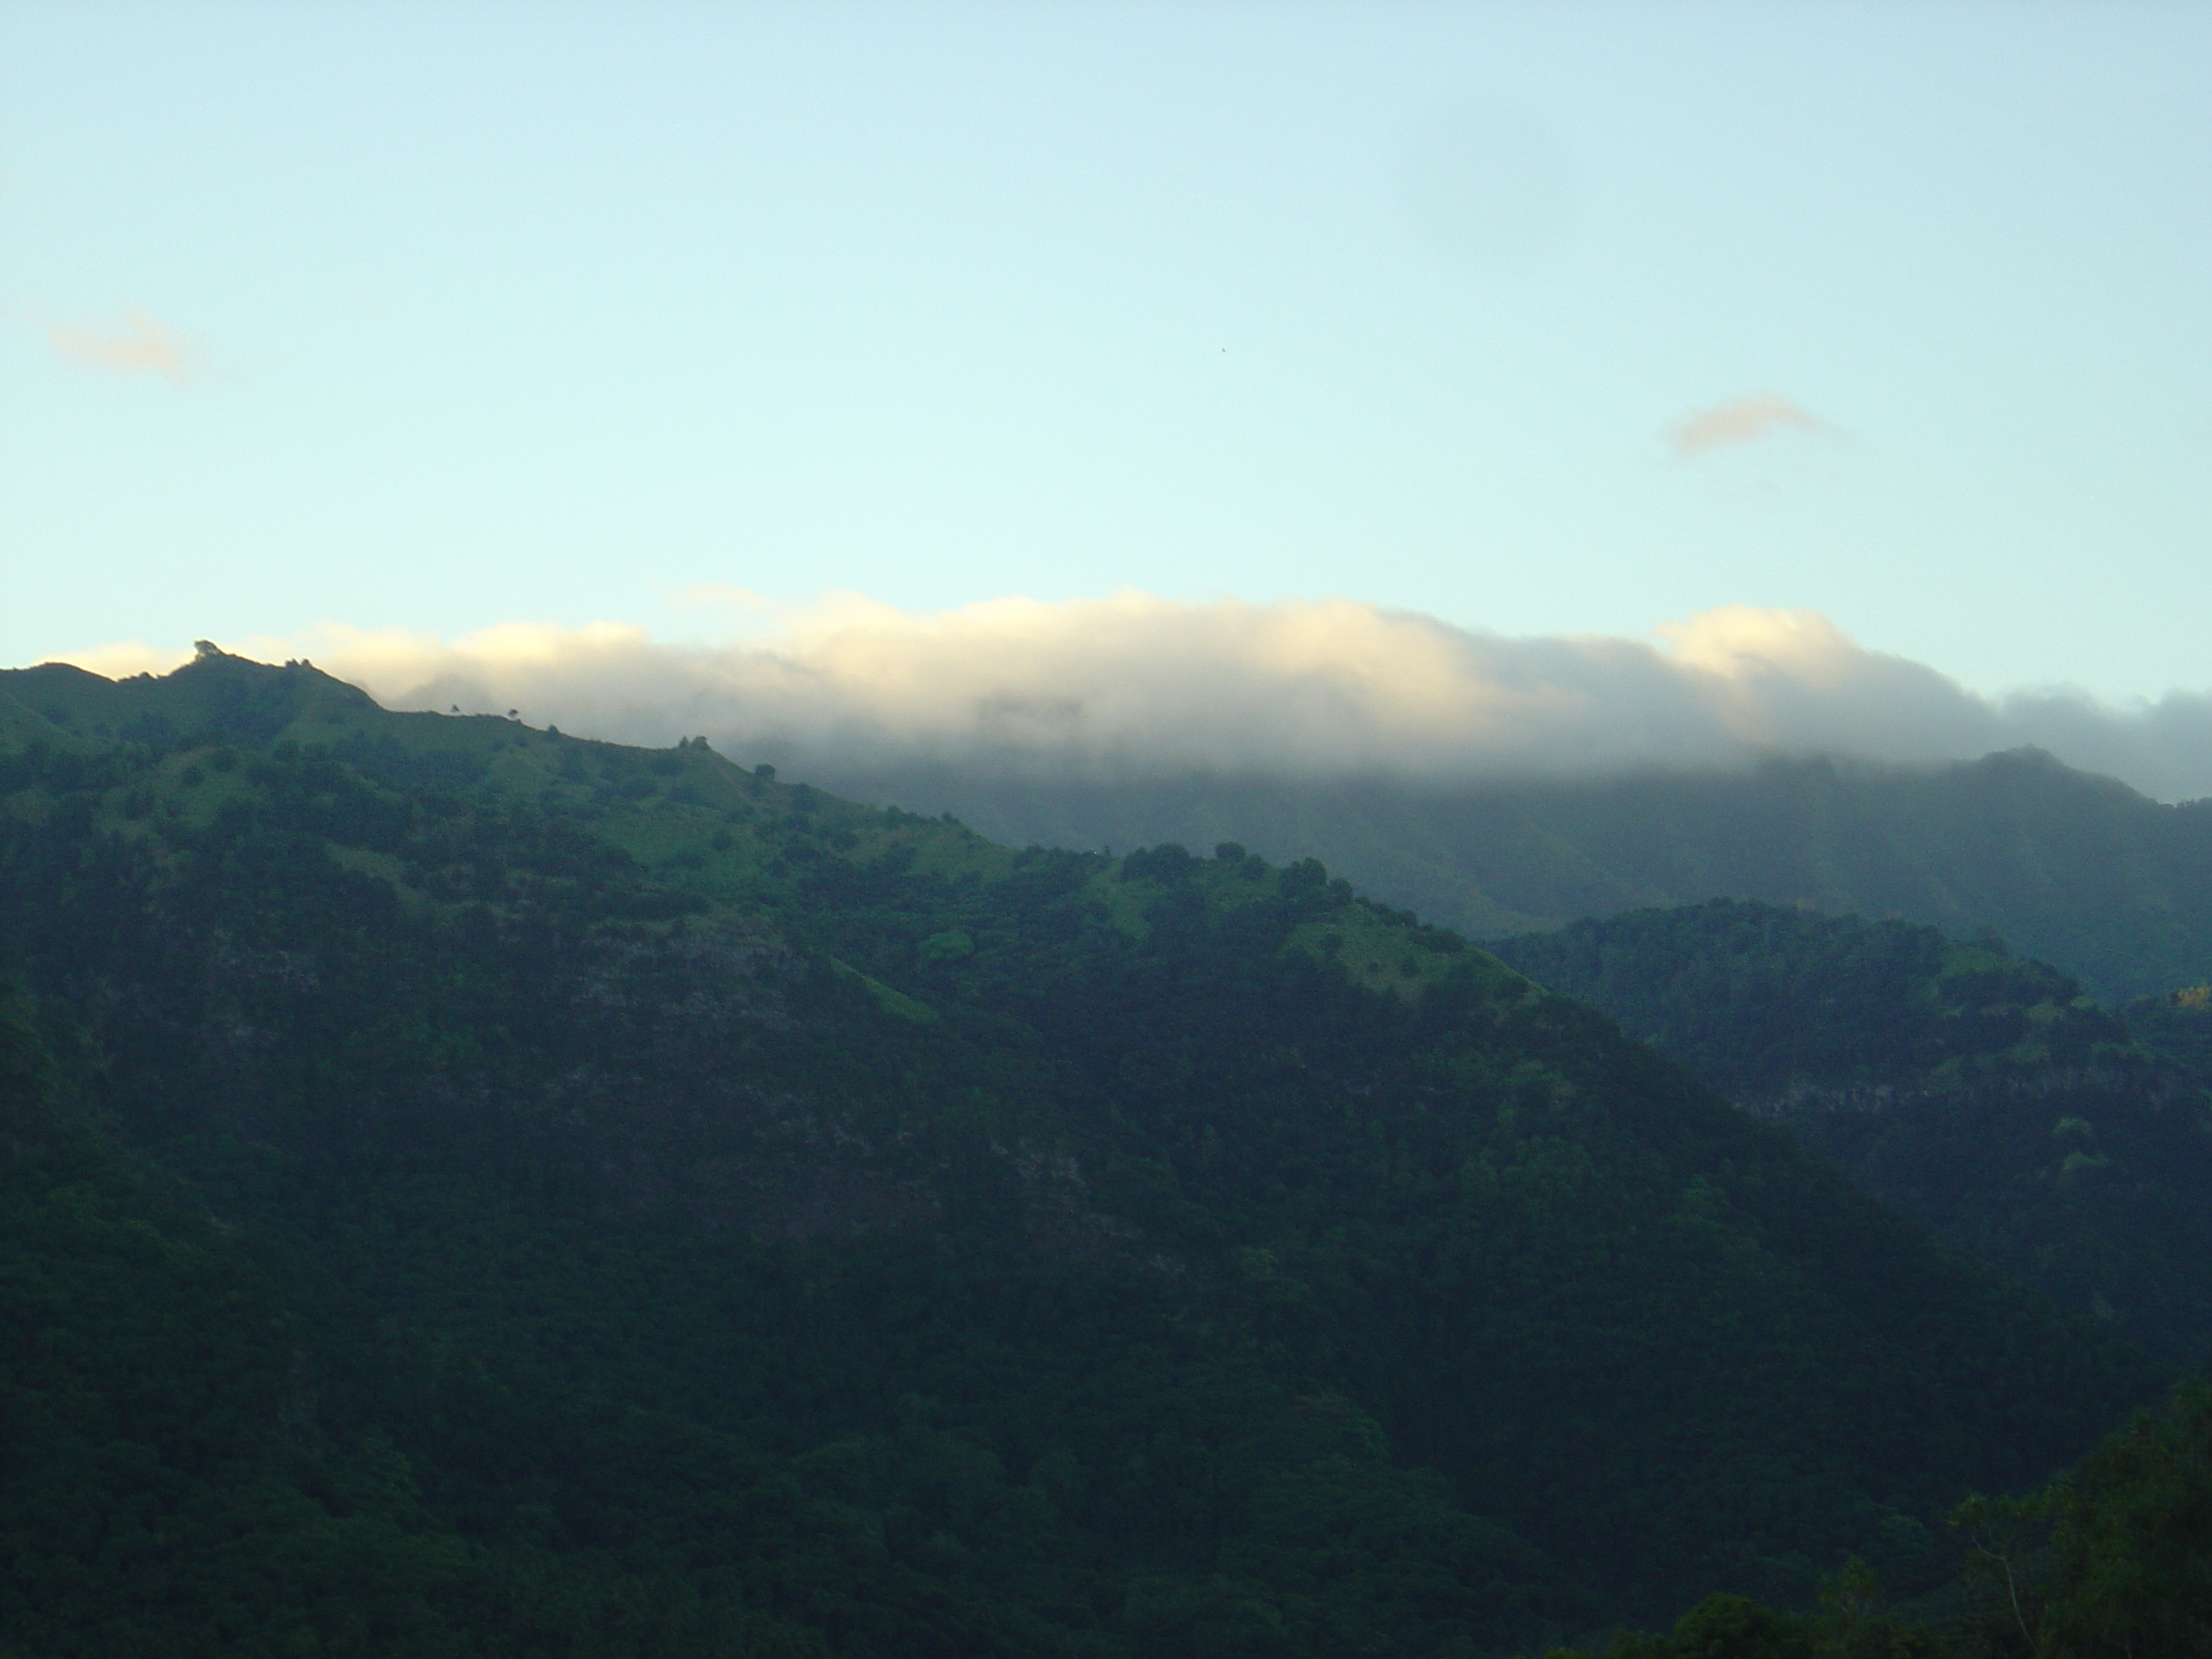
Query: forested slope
[671,1212]
[2072,868]
[2069,1145]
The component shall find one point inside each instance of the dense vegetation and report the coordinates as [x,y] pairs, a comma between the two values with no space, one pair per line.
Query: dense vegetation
[1978,1090]
[2113,1557]
[1770,1003]
[471,1191]
[2073,869]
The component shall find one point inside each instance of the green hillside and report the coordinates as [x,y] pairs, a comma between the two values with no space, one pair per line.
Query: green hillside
[2073,869]
[163,1489]
[612,1202]
[1975,1090]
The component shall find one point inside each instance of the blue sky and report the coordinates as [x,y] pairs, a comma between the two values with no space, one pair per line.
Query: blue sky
[440,317]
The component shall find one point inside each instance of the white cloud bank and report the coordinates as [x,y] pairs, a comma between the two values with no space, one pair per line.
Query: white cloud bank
[1135,686]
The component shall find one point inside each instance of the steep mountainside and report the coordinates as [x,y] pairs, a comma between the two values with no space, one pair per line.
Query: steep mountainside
[675,1212]
[1975,1090]
[2074,869]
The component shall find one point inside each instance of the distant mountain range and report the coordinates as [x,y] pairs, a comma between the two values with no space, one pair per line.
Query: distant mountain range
[465,1190]
[2075,869]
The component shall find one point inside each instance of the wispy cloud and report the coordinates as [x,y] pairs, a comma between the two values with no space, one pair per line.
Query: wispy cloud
[851,691]
[1739,423]
[138,344]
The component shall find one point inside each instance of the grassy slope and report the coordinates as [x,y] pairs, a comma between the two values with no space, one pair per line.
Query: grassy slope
[698,822]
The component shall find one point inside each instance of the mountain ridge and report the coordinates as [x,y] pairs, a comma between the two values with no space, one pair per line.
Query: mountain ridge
[2075,868]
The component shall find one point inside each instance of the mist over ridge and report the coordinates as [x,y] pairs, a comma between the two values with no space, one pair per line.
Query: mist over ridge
[1136,688]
